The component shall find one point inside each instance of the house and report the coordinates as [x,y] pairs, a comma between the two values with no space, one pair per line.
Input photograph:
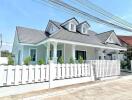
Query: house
[69,39]
[126,41]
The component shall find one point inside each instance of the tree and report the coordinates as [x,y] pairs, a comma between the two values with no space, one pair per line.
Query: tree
[5,53]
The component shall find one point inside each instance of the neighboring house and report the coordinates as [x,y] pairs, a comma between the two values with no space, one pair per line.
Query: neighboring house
[70,39]
[126,41]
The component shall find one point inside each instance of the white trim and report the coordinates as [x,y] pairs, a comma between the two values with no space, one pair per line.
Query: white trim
[75,43]
[64,52]
[73,52]
[84,44]
[27,44]
[108,38]
[22,57]
[42,42]
[36,54]
[47,52]
[112,38]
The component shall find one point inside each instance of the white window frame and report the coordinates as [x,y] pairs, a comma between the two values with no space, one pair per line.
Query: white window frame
[81,50]
[30,53]
[52,28]
[83,28]
[73,27]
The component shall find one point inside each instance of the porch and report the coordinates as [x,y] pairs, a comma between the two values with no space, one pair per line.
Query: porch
[55,50]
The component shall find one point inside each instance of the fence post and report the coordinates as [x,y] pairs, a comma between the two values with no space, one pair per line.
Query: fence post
[93,70]
[51,73]
[119,69]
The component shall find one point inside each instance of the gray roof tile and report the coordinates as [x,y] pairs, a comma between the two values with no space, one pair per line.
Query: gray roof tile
[77,37]
[33,36]
[30,36]
[104,36]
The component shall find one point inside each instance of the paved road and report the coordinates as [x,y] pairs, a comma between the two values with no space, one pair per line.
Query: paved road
[119,89]
[115,90]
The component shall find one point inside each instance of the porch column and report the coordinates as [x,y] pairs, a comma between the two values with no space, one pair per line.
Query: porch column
[117,55]
[48,52]
[55,52]
[22,56]
[73,52]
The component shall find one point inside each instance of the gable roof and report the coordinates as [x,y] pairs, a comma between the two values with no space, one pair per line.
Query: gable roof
[83,23]
[69,20]
[57,24]
[104,36]
[33,36]
[77,37]
[30,36]
[126,39]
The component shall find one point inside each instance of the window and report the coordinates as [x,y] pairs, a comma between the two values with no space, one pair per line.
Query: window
[80,53]
[72,27]
[110,56]
[52,28]
[59,53]
[33,54]
[84,30]
[99,57]
[51,54]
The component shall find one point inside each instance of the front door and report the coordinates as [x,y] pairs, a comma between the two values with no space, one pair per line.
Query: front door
[80,53]
[59,53]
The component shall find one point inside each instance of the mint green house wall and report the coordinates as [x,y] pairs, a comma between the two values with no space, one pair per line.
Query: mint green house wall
[41,52]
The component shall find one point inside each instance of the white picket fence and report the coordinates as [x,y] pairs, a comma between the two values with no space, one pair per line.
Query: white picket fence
[36,77]
[107,68]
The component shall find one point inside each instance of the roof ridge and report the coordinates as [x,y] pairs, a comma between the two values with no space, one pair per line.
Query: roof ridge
[29,28]
[69,20]
[124,36]
[106,32]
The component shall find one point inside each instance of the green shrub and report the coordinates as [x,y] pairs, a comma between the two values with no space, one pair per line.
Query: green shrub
[10,60]
[60,60]
[123,64]
[126,64]
[41,62]
[80,60]
[27,60]
[71,60]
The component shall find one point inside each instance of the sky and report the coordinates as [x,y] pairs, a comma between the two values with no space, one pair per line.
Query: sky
[35,14]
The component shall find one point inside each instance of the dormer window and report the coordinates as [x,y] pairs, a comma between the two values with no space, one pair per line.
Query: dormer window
[72,27]
[70,24]
[52,28]
[83,27]
[84,30]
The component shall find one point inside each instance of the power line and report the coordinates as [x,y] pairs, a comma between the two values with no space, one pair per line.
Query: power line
[77,11]
[101,11]
[109,20]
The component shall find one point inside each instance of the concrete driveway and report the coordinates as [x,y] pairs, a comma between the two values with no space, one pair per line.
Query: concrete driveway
[117,89]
